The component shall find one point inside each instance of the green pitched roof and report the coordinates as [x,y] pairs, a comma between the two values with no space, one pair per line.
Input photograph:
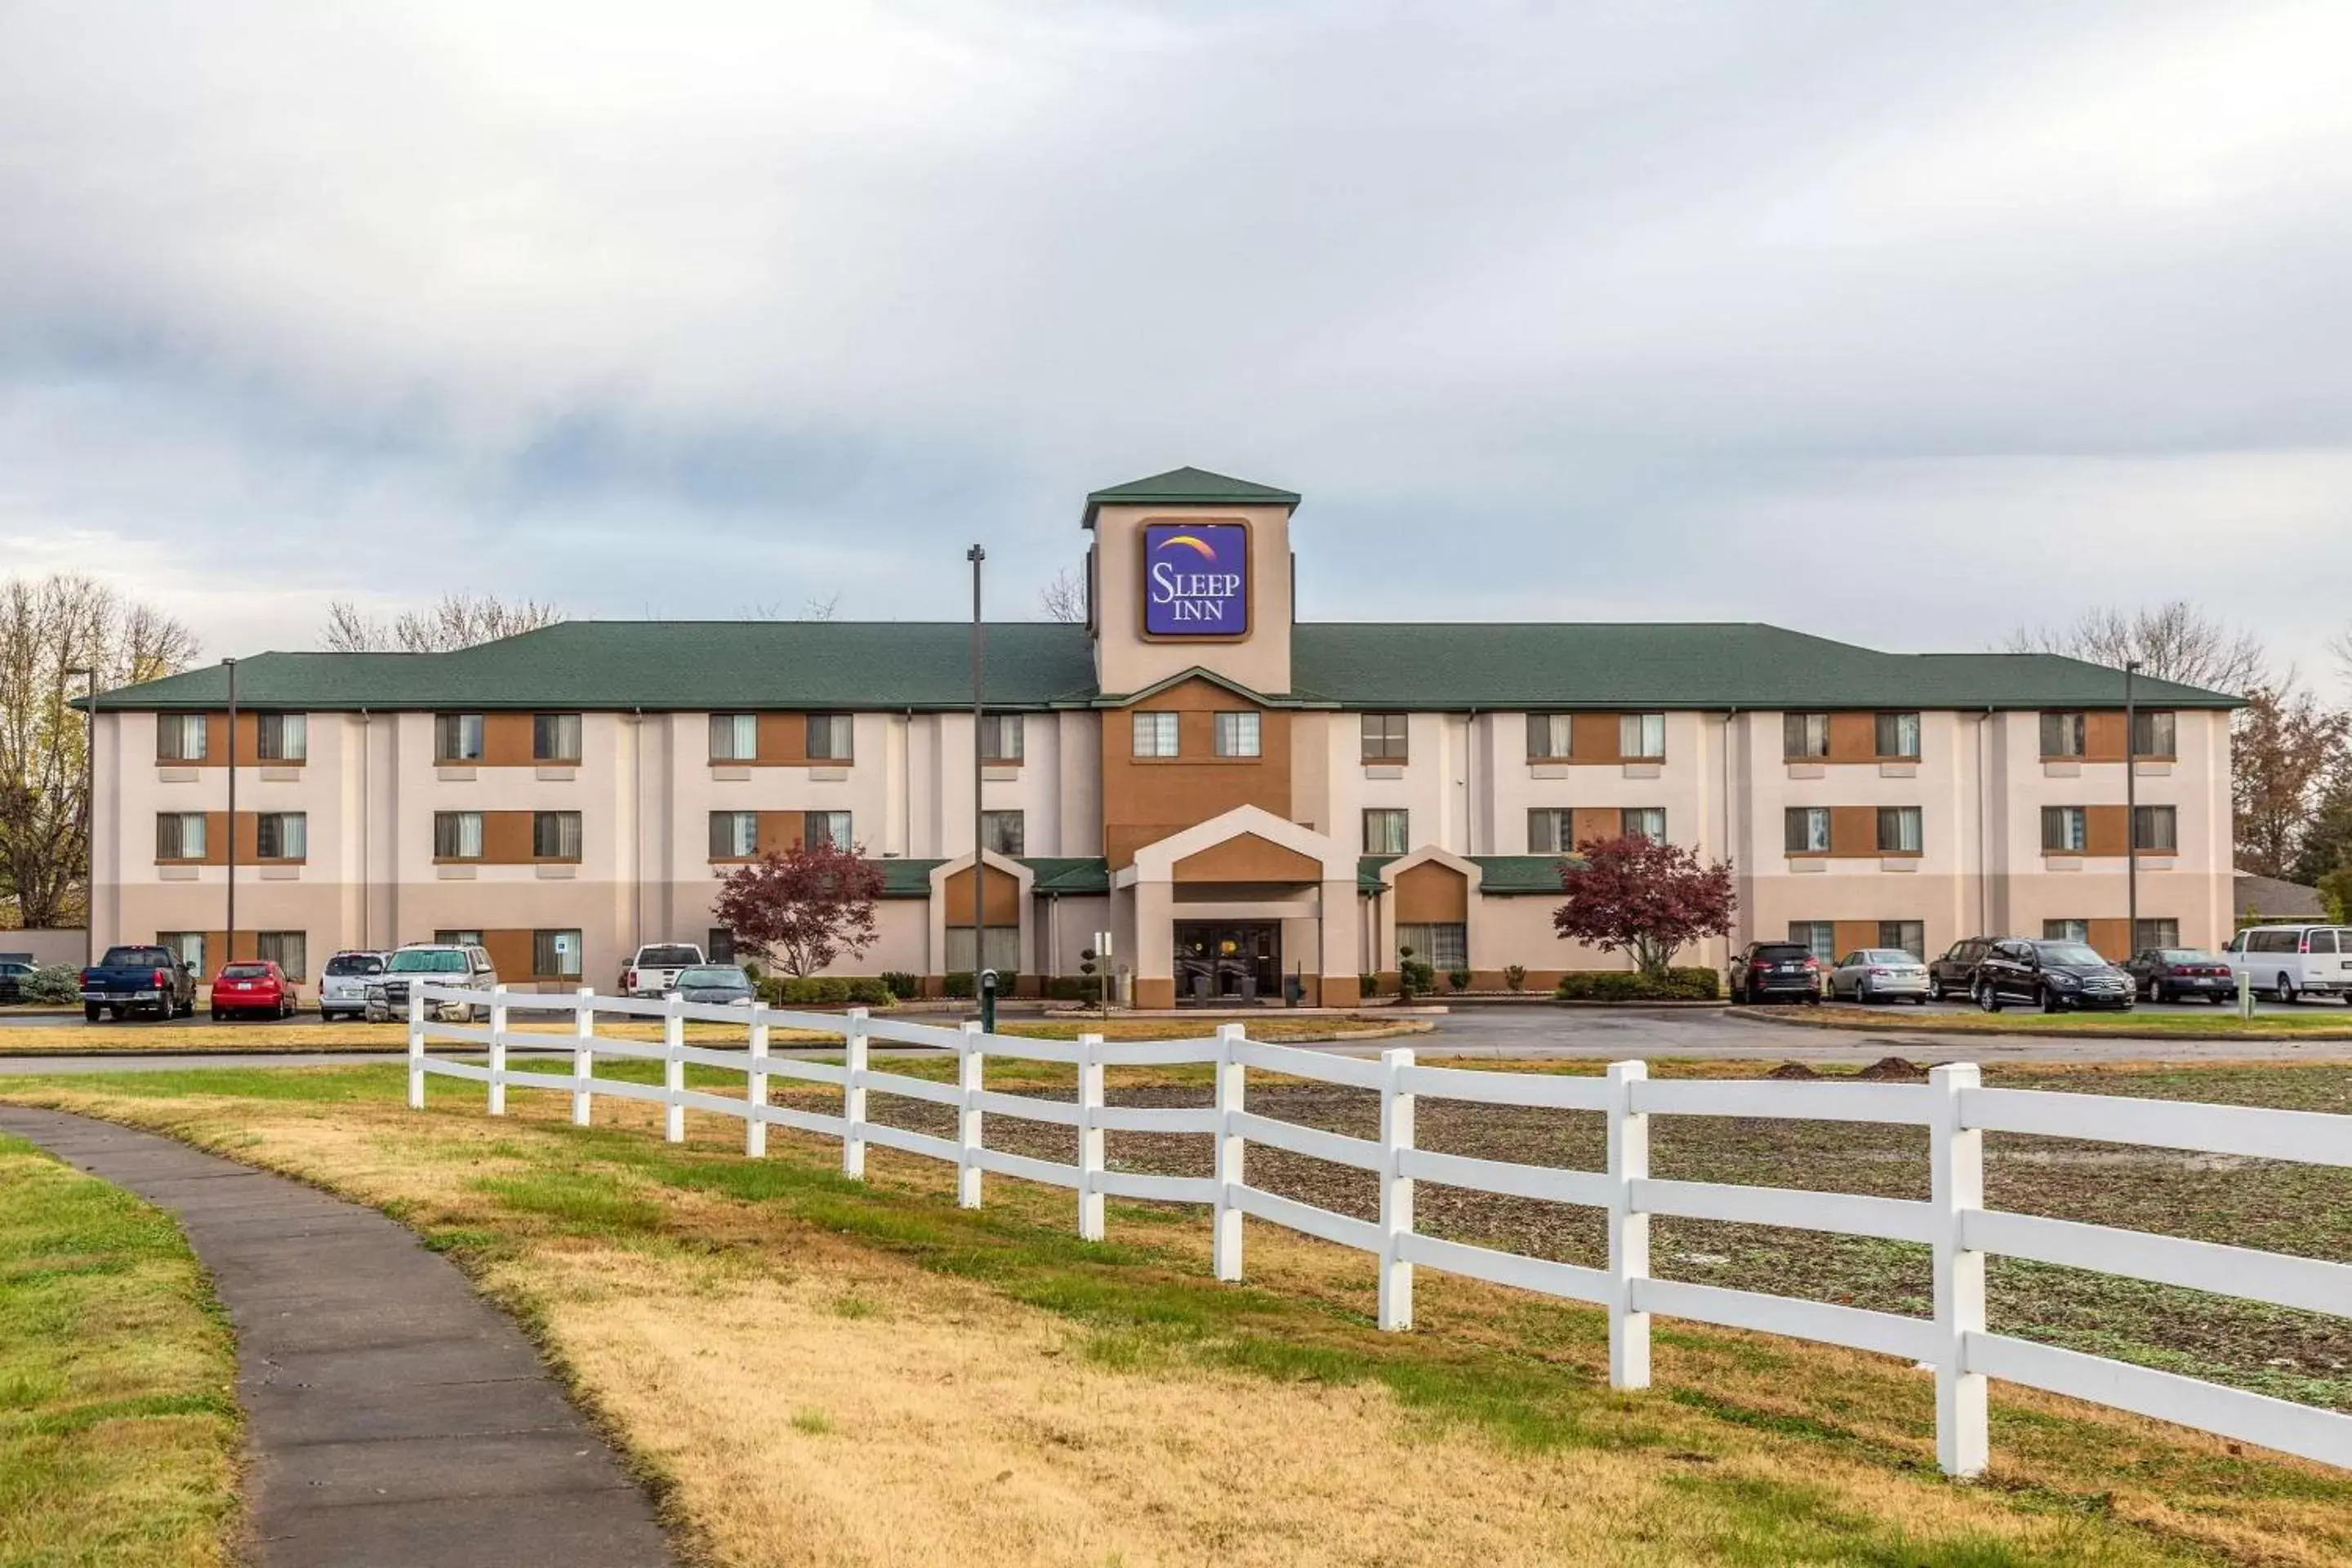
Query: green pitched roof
[1188,487]
[905,879]
[1500,874]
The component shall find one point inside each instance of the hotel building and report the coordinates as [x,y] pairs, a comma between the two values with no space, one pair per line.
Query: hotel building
[1237,797]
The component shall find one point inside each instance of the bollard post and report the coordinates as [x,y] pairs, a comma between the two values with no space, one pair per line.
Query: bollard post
[673,1069]
[969,1078]
[1956,1158]
[417,1046]
[2245,994]
[1396,1193]
[498,1050]
[852,1097]
[1226,1244]
[584,1053]
[1090,1138]
[1629,1229]
[755,1088]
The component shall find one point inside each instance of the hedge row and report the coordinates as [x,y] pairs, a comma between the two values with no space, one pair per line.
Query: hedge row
[1692,985]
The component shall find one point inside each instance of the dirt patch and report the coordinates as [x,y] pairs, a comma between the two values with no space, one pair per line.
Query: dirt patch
[1893,1069]
[1788,1070]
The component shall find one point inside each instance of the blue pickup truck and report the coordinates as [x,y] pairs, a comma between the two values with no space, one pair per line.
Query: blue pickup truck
[134,979]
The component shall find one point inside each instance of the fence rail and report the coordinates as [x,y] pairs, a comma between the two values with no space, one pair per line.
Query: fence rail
[1953,1106]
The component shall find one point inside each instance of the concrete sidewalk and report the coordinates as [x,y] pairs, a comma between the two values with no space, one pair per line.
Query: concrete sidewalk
[393,1416]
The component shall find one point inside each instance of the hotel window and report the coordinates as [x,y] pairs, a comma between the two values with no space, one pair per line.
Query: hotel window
[457,834]
[1000,948]
[1899,830]
[1642,737]
[1000,738]
[281,836]
[1817,937]
[1805,737]
[180,738]
[555,835]
[826,827]
[1384,738]
[1002,833]
[290,950]
[2065,829]
[1643,822]
[555,737]
[1911,936]
[734,737]
[2156,827]
[830,737]
[2154,734]
[1237,734]
[1442,945]
[1550,830]
[1548,737]
[458,938]
[2064,734]
[189,946]
[734,834]
[1806,830]
[281,737]
[457,737]
[2065,931]
[720,946]
[1155,734]
[1898,736]
[1385,830]
[2155,934]
[555,954]
[180,835]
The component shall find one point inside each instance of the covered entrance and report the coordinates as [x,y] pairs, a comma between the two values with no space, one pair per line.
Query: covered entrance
[1227,961]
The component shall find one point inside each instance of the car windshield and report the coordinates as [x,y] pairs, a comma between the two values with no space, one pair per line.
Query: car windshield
[1887,955]
[2068,952]
[244,972]
[716,979]
[135,958]
[667,957]
[427,961]
[356,964]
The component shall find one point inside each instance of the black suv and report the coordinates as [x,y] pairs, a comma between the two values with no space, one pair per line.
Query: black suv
[2053,975]
[1768,969]
[1954,973]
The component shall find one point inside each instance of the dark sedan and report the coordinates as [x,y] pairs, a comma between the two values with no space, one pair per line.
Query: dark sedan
[2177,973]
[12,976]
[1954,973]
[1770,968]
[2052,975]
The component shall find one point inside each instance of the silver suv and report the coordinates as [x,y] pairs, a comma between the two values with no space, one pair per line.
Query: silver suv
[440,963]
[343,984]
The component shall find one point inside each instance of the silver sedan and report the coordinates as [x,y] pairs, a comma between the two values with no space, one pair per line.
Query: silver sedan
[724,983]
[1880,974]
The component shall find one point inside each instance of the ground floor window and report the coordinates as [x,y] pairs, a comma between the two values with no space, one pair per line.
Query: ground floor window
[1818,937]
[555,954]
[2153,933]
[1442,945]
[2065,931]
[290,950]
[1911,936]
[188,944]
[1000,949]
[458,938]
[720,947]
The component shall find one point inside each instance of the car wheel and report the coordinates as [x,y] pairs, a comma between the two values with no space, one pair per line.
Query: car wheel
[2156,992]
[115,1014]
[2286,992]
[90,1012]
[2049,1000]
[1988,998]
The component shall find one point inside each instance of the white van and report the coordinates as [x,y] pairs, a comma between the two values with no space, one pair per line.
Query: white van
[2294,962]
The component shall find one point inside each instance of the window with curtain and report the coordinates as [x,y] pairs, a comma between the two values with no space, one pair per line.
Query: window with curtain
[2064,828]
[2065,931]
[1642,737]
[282,836]
[555,954]
[1911,936]
[555,835]
[555,737]
[2154,734]
[458,938]
[1806,830]
[1643,822]
[1899,830]
[734,737]
[1003,833]
[188,944]
[734,834]
[2155,934]
[2156,827]
[1818,938]
[180,738]
[281,737]
[457,737]
[1898,735]
[1000,949]
[2064,734]
[1549,736]
[831,828]
[1442,945]
[1237,734]
[1385,829]
[290,950]
[1155,734]
[1000,737]
[1805,737]
[180,835]
[1551,830]
[830,737]
[457,834]
[1384,738]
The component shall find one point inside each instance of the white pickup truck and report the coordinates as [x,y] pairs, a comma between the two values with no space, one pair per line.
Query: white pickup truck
[653,971]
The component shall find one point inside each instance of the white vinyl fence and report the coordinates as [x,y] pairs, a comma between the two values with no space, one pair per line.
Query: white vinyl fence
[1953,1106]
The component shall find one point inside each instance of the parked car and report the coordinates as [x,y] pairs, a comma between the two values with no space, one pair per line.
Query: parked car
[441,963]
[2177,973]
[1880,974]
[1954,973]
[1768,969]
[127,980]
[14,973]
[251,988]
[725,984]
[2294,962]
[343,985]
[2051,975]
[654,969]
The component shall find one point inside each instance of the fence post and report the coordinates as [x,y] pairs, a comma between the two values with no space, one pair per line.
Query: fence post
[755,1088]
[673,1069]
[1629,1229]
[1226,1247]
[1090,1138]
[1396,1193]
[969,1078]
[498,1050]
[417,1046]
[584,1053]
[852,1097]
[1956,1158]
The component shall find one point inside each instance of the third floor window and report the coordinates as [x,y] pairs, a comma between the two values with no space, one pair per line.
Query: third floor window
[1384,738]
[1550,736]
[281,737]
[1898,736]
[1804,736]
[2064,734]
[457,737]
[180,737]
[1000,738]
[2154,734]
[555,737]
[831,738]
[1642,737]
[734,737]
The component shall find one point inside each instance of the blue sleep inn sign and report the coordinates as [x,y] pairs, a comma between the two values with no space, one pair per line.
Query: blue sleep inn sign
[1196,580]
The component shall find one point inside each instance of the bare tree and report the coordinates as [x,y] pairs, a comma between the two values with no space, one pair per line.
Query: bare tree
[457,620]
[49,626]
[827,608]
[351,630]
[2173,641]
[2284,746]
[1064,598]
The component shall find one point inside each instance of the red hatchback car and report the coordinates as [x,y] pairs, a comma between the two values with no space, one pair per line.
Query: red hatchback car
[252,988]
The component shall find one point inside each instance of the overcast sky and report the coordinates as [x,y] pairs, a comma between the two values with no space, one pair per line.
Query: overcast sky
[1899,323]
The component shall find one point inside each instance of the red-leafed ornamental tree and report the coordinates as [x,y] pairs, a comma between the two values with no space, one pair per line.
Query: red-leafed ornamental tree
[802,908]
[1645,898]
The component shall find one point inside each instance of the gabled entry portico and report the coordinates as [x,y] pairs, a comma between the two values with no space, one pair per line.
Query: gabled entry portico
[1248,878]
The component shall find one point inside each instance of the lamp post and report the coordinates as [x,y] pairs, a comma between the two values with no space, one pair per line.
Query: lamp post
[89,679]
[228,937]
[2131,810]
[976,555]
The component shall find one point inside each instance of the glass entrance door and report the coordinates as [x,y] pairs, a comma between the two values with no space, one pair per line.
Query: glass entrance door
[1228,963]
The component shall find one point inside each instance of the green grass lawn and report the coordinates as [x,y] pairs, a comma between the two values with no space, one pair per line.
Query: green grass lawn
[118,1417]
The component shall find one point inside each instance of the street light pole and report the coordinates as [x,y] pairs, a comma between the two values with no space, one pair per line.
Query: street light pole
[976,555]
[88,813]
[2131,810]
[228,937]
